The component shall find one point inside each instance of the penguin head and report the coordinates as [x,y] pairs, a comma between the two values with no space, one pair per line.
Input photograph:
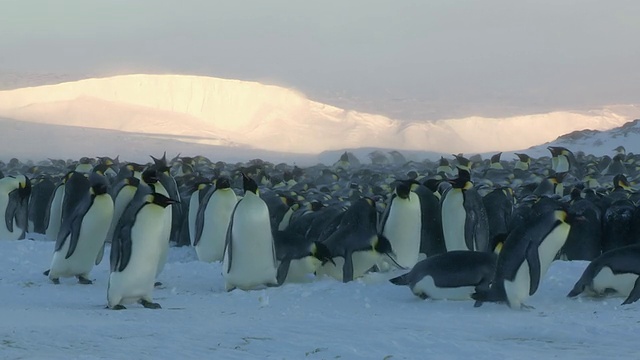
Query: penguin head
[344,157]
[24,187]
[249,185]
[496,158]
[381,245]
[160,200]
[463,181]
[403,190]
[523,158]
[150,176]
[620,182]
[223,182]
[99,184]
[321,252]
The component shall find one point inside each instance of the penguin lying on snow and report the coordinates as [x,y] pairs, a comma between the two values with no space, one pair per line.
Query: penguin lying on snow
[616,271]
[454,275]
[297,256]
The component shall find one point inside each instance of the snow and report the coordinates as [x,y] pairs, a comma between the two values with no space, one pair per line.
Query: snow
[323,319]
[142,113]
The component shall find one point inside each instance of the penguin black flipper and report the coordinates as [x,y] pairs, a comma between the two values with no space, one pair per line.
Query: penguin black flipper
[634,295]
[100,254]
[200,215]
[228,248]
[385,215]
[12,209]
[476,230]
[347,268]
[401,280]
[283,270]
[533,260]
[72,224]
[121,249]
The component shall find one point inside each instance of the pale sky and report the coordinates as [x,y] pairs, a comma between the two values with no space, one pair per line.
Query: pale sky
[406,59]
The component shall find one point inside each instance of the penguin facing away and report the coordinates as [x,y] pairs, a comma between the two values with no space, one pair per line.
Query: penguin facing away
[525,258]
[249,259]
[454,275]
[212,221]
[135,252]
[615,272]
[82,234]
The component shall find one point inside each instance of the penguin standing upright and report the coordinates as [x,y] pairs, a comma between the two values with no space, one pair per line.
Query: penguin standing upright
[526,255]
[122,194]
[562,159]
[82,234]
[41,191]
[401,224]
[212,221]
[465,224]
[249,259]
[137,246]
[14,203]
[200,190]
[53,215]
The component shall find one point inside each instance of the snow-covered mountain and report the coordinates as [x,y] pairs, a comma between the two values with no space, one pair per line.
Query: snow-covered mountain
[218,117]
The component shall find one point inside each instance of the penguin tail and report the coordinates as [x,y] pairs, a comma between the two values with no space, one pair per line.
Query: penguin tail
[400,280]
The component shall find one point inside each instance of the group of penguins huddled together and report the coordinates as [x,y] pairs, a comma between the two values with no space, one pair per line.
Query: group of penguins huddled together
[466,228]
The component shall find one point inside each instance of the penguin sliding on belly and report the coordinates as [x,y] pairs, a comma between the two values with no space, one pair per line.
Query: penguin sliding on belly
[249,260]
[525,258]
[454,275]
[138,244]
[82,234]
[615,272]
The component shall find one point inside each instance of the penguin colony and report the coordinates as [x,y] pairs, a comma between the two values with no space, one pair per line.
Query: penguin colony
[461,228]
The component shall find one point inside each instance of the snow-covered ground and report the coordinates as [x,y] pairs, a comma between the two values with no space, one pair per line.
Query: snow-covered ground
[205,114]
[323,319]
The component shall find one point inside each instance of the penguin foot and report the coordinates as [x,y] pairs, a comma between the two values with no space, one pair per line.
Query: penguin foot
[84,281]
[118,307]
[56,281]
[477,304]
[46,273]
[157,284]
[423,296]
[149,304]
[526,307]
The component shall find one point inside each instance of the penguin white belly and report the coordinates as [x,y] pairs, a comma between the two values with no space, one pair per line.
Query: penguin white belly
[93,230]
[286,219]
[123,198]
[453,220]
[217,216]
[363,261]
[518,290]
[428,287]
[55,214]
[136,281]
[562,164]
[253,259]
[402,228]
[300,270]
[606,280]
[549,248]
[194,204]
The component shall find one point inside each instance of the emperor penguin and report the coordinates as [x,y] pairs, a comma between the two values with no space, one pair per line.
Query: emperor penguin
[616,272]
[249,259]
[454,275]
[523,162]
[136,249]
[465,224]
[199,190]
[297,257]
[122,194]
[53,215]
[401,224]
[14,202]
[171,188]
[562,159]
[212,221]
[41,192]
[526,255]
[80,242]
[355,245]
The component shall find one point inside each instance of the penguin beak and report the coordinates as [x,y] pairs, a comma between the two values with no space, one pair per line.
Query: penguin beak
[391,256]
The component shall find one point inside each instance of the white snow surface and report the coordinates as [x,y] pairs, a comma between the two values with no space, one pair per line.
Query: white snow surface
[324,319]
[135,115]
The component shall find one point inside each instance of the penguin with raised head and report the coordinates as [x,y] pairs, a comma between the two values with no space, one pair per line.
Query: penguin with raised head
[454,275]
[525,257]
[136,249]
[465,224]
[562,159]
[14,203]
[523,162]
[249,259]
[355,244]
[616,272]
[80,242]
[212,221]
[401,223]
